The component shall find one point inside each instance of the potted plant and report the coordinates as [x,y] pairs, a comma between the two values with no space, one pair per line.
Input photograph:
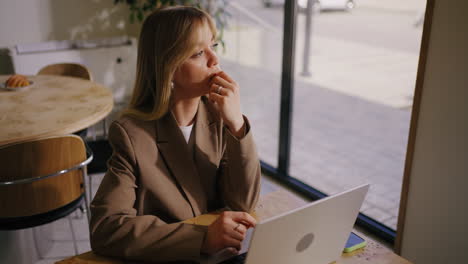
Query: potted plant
[139,9]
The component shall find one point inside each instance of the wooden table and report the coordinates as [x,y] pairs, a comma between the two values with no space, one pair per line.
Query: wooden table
[53,105]
[270,205]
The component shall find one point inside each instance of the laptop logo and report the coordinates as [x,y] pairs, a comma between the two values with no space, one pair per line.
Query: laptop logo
[305,242]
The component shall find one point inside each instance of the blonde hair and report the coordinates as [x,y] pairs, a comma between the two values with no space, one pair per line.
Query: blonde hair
[167,39]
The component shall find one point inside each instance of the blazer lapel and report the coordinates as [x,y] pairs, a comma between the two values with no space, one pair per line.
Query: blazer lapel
[206,137]
[207,151]
[179,160]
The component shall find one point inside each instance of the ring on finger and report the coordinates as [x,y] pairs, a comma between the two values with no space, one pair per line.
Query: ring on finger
[237,226]
[218,91]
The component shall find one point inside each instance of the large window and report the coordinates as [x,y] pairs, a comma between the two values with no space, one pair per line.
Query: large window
[352,103]
[252,55]
[348,122]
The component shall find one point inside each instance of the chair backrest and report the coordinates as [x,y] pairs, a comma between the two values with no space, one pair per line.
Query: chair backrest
[33,159]
[67,69]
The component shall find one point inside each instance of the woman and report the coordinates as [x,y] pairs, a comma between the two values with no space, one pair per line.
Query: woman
[182,149]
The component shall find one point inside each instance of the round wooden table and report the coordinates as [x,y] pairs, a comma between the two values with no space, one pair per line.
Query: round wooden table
[52,106]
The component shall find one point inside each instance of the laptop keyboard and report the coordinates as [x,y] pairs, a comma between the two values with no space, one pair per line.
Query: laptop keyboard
[239,259]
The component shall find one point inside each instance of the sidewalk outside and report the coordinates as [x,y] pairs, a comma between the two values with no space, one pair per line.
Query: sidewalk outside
[394,5]
[349,126]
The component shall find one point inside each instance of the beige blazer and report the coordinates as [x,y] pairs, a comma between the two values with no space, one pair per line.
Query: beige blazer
[156,180]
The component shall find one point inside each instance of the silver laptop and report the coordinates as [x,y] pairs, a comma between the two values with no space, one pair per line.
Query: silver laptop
[314,233]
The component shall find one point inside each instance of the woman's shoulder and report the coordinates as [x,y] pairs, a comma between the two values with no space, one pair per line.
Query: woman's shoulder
[133,125]
[129,121]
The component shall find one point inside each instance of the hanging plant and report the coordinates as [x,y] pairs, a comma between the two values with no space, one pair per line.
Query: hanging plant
[139,9]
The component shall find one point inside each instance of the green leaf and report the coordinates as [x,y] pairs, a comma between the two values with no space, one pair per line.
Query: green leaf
[140,15]
[138,8]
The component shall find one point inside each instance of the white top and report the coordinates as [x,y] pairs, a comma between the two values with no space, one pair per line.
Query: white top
[186,130]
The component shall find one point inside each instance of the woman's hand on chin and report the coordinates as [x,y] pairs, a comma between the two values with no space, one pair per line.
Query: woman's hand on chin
[224,93]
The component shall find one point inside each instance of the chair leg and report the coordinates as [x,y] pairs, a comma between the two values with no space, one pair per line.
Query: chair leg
[38,250]
[104,124]
[90,187]
[73,235]
[87,195]
[80,214]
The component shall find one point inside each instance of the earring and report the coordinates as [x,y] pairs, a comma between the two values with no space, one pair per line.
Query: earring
[172,85]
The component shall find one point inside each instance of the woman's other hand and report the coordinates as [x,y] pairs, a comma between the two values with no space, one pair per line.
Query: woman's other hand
[224,92]
[228,231]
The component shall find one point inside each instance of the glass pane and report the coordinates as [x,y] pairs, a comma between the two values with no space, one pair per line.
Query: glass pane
[351,116]
[252,56]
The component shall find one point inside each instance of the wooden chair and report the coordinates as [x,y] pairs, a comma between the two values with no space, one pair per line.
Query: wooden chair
[42,181]
[80,71]
[72,70]
[67,69]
